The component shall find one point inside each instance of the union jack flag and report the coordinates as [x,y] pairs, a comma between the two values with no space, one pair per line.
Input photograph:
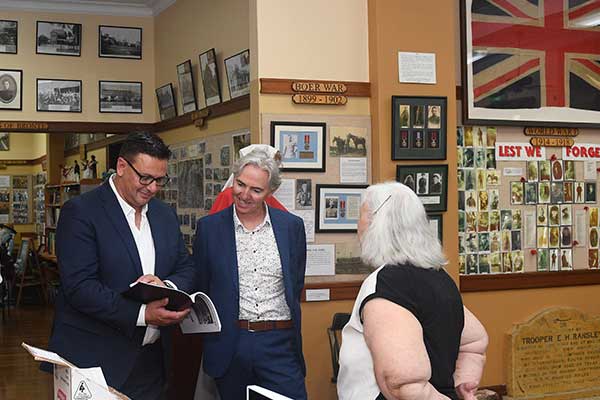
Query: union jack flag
[536,53]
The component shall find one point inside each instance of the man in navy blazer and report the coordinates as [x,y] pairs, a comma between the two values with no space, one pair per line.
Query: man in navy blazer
[106,239]
[251,260]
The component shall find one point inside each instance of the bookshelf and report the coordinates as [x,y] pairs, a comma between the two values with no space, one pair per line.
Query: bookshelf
[55,197]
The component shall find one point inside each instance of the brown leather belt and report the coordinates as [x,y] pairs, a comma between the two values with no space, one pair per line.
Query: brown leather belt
[258,326]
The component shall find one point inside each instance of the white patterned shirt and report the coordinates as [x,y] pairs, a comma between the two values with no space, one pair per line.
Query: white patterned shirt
[262,292]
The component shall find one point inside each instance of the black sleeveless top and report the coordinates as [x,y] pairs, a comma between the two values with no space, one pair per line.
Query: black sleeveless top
[433,298]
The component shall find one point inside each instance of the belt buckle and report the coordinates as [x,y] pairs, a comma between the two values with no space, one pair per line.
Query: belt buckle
[248,324]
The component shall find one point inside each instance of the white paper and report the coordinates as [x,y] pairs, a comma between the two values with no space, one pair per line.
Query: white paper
[430,199]
[589,170]
[95,375]
[581,228]
[317,294]
[308,216]
[45,355]
[266,393]
[416,67]
[285,193]
[530,229]
[353,170]
[512,172]
[320,259]
[4,181]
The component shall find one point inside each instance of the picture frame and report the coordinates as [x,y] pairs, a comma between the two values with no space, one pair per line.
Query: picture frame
[58,95]
[237,68]
[338,207]
[286,136]
[429,182]
[123,97]
[58,38]
[11,89]
[419,126]
[4,141]
[9,36]
[505,82]
[436,221]
[187,88]
[166,102]
[210,77]
[119,42]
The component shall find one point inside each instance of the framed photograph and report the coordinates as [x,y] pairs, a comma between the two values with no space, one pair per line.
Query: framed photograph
[58,95]
[8,36]
[510,64]
[11,89]
[210,77]
[4,142]
[186,86]
[419,128]
[119,42]
[120,97]
[337,208]
[58,38]
[429,182]
[436,223]
[166,102]
[237,68]
[301,144]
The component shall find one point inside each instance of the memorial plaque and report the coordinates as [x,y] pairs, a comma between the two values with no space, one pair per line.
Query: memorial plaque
[555,356]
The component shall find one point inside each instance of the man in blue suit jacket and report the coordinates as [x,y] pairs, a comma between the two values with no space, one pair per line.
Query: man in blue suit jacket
[106,239]
[252,259]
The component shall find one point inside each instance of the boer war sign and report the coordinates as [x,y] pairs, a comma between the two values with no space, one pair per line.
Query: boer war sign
[555,355]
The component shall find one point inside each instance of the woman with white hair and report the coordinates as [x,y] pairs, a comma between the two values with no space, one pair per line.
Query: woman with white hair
[409,335]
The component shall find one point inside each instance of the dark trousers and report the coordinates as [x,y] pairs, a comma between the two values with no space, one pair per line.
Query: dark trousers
[267,359]
[147,378]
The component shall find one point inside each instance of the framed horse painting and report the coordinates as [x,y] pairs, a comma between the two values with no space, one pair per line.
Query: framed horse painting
[419,128]
[530,63]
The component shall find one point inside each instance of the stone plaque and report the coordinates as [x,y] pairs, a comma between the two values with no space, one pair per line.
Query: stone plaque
[555,355]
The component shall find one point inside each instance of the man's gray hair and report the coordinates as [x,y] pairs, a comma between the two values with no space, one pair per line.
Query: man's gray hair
[260,159]
[399,231]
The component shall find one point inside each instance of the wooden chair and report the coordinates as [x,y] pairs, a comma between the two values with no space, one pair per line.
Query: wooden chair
[335,340]
[27,273]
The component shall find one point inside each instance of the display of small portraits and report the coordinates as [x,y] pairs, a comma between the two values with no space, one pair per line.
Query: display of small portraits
[566,260]
[470,179]
[480,137]
[566,215]
[484,203]
[436,183]
[593,258]
[544,170]
[470,201]
[554,233]
[433,116]
[565,236]
[461,179]
[225,156]
[484,264]
[422,183]
[490,158]
[557,170]
[542,236]
[542,215]
[461,265]
[483,223]
[544,192]
[491,136]
[593,237]
[409,180]
[495,241]
[516,240]
[579,190]
[554,259]
[331,207]
[507,262]
[481,178]
[494,196]
[518,261]
[516,219]
[506,219]
[303,195]
[516,193]
[468,136]
[542,259]
[484,241]
[568,192]
[495,263]
[556,192]
[531,193]
[404,114]
[590,192]
[532,171]
[554,215]
[480,158]
[569,168]
[472,266]
[471,220]
[593,216]
[493,177]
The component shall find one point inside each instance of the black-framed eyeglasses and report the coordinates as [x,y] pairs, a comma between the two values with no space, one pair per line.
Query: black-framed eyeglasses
[148,179]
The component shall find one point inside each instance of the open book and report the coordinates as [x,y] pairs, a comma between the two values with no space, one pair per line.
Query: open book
[203,317]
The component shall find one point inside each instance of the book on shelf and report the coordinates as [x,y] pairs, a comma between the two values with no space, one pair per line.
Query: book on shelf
[203,317]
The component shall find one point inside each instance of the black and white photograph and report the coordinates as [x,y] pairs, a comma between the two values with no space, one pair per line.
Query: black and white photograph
[119,42]
[186,86]
[210,77]
[331,207]
[166,102]
[190,183]
[429,182]
[58,95]
[11,89]
[120,97]
[8,36]
[58,38]
[237,68]
[225,156]
[303,194]
[4,142]
[422,183]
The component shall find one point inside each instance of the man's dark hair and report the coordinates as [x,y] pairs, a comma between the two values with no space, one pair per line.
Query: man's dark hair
[144,143]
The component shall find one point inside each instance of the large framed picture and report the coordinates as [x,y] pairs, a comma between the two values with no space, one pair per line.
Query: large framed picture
[58,95]
[237,68]
[210,77]
[58,38]
[338,207]
[419,128]
[120,97]
[11,89]
[186,86]
[166,102]
[119,42]
[535,64]
[429,182]
[8,36]
[301,144]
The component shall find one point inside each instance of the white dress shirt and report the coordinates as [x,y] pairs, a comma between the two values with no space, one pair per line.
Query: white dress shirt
[145,247]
